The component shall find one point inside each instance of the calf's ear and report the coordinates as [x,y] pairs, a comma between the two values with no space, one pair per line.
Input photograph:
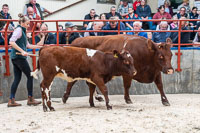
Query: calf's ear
[150,45]
[116,54]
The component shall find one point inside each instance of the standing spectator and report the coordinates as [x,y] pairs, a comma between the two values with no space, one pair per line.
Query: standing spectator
[136,4]
[19,43]
[131,16]
[32,16]
[185,36]
[186,5]
[96,26]
[137,25]
[168,7]
[197,37]
[113,13]
[123,9]
[161,14]
[5,15]
[182,13]
[90,16]
[49,38]
[144,12]
[161,36]
[68,37]
[37,8]
[112,25]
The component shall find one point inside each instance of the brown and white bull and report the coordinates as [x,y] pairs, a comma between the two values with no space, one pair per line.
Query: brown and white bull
[72,63]
[150,59]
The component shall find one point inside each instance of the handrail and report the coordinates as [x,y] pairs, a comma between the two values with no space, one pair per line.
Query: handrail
[75,3]
[178,53]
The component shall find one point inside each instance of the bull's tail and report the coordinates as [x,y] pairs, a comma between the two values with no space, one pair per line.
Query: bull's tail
[35,73]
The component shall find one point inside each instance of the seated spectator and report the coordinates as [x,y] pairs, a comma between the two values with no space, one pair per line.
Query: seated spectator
[136,4]
[5,15]
[96,26]
[161,14]
[137,25]
[131,16]
[37,9]
[185,36]
[90,16]
[49,38]
[197,38]
[113,13]
[168,7]
[122,25]
[60,27]
[174,24]
[112,25]
[144,12]
[123,9]
[103,17]
[159,37]
[182,13]
[32,16]
[193,15]
[92,22]
[2,34]
[68,37]
[186,5]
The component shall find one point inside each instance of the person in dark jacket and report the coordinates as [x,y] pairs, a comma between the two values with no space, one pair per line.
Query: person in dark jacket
[37,9]
[144,12]
[185,36]
[113,13]
[91,16]
[19,44]
[68,37]
[5,15]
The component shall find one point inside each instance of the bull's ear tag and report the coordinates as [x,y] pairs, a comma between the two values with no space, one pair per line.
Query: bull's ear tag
[115,55]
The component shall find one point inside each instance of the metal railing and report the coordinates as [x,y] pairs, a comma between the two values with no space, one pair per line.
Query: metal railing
[6,56]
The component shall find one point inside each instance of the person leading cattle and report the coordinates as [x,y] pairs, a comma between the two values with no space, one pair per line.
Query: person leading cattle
[19,43]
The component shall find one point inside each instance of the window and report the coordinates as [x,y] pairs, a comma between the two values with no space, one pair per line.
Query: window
[106,1]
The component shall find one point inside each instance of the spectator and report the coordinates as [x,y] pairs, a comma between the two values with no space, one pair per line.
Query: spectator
[159,37]
[49,38]
[68,37]
[96,26]
[168,7]
[113,13]
[123,9]
[90,16]
[32,16]
[60,27]
[185,36]
[182,13]
[174,24]
[137,25]
[37,8]
[112,25]
[136,4]
[193,15]
[144,12]
[131,16]
[186,5]
[2,35]
[161,14]
[197,38]
[5,15]
[103,17]
[91,23]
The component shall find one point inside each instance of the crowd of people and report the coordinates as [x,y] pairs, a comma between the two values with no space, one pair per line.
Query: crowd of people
[136,10]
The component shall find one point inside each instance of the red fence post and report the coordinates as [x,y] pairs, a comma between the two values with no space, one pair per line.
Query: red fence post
[33,42]
[179,49]
[6,56]
[57,33]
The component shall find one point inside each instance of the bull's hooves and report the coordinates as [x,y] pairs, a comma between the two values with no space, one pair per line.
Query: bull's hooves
[109,107]
[129,102]
[99,98]
[166,103]
[64,99]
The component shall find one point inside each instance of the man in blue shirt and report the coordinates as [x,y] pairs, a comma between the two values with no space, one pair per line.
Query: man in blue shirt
[113,25]
[138,26]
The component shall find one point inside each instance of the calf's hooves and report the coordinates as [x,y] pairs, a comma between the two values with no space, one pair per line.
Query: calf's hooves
[109,107]
[44,108]
[166,103]
[99,98]
[128,101]
[52,109]
[64,99]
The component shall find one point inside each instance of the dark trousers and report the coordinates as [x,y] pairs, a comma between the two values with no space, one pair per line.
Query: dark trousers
[21,65]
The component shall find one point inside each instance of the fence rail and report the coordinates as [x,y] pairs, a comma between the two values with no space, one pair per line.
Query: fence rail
[6,46]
